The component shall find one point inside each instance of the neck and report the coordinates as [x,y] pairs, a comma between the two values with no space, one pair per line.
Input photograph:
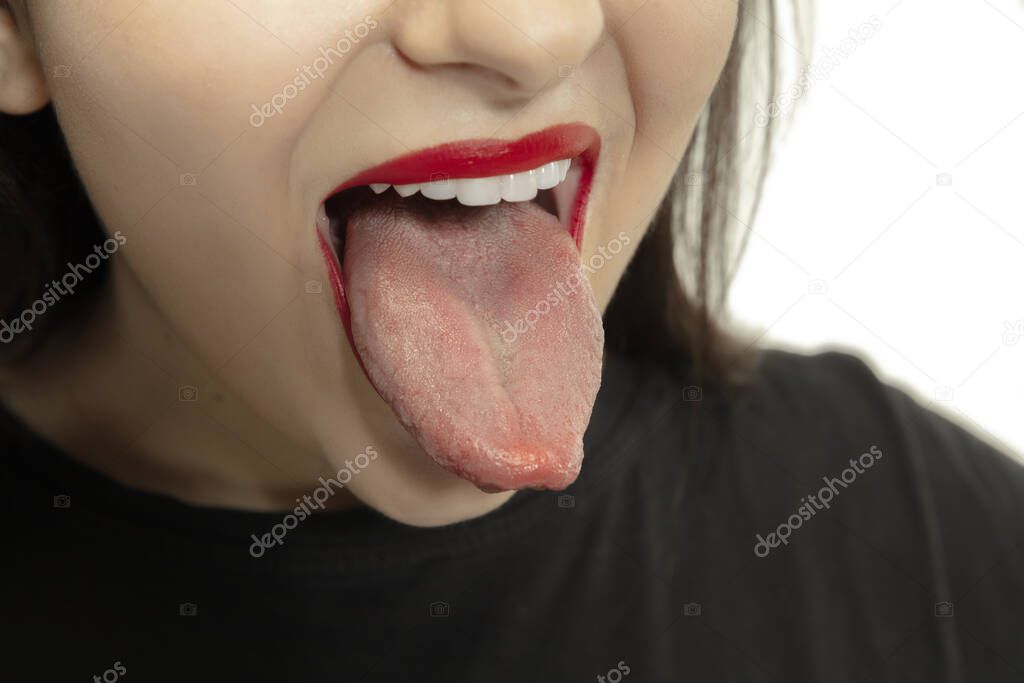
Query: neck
[124,395]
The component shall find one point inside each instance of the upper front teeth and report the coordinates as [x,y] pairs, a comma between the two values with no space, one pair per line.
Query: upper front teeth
[513,187]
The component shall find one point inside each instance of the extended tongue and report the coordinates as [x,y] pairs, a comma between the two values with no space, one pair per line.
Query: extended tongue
[479,329]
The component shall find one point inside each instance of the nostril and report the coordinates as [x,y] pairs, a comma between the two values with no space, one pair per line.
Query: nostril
[518,45]
[486,73]
[467,71]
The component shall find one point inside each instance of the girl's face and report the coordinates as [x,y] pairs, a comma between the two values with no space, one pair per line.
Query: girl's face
[209,133]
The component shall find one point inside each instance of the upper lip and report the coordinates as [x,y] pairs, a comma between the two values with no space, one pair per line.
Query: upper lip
[484,157]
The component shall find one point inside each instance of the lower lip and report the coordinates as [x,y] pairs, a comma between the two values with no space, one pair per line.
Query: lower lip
[476,159]
[335,276]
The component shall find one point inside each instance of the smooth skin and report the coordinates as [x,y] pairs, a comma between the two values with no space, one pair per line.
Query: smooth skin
[210,289]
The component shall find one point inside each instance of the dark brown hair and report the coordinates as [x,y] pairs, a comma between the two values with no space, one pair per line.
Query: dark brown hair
[47,221]
[667,303]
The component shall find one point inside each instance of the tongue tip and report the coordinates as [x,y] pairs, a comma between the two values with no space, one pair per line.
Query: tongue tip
[524,469]
[513,482]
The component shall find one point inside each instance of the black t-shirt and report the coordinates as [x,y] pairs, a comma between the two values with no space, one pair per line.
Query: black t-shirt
[690,549]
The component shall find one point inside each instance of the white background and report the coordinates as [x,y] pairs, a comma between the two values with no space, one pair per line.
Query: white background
[922,278]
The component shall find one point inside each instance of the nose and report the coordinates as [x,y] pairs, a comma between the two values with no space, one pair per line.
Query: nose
[521,44]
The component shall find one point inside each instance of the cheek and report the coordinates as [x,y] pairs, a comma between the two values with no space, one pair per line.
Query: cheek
[157,115]
[673,52]
[179,76]
[161,97]
[157,109]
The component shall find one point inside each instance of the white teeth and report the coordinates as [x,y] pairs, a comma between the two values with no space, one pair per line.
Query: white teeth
[563,168]
[438,189]
[511,187]
[549,175]
[518,187]
[478,191]
[321,217]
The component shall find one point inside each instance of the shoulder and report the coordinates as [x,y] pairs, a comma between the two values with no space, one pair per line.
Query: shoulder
[817,415]
[834,400]
[879,510]
[874,489]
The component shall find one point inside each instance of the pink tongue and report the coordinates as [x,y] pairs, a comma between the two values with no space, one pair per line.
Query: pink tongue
[479,329]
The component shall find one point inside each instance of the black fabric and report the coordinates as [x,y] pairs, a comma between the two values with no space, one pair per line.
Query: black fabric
[616,583]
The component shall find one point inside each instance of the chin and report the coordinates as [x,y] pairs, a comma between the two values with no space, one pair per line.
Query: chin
[430,497]
[402,483]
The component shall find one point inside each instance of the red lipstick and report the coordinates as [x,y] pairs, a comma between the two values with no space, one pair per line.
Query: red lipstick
[487,157]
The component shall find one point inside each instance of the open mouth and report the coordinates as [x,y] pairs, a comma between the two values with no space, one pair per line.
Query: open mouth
[456,272]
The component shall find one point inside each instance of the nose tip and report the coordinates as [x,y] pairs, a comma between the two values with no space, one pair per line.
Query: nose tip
[523,44]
